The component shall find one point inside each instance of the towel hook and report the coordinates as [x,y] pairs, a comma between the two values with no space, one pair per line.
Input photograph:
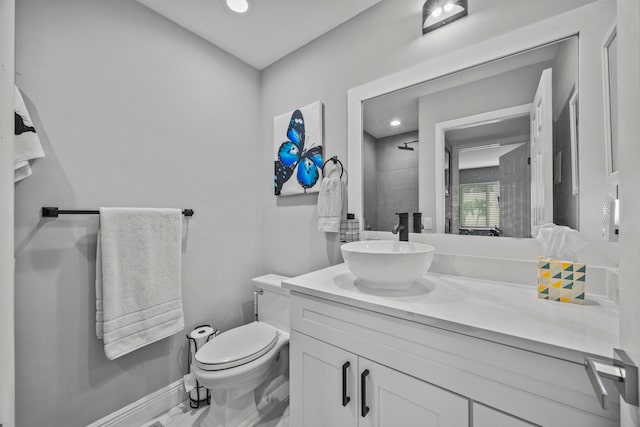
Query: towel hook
[335,160]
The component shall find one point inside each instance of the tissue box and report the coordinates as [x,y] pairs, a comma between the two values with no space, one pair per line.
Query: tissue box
[561,280]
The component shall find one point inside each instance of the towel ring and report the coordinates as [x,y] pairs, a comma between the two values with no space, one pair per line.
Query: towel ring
[335,160]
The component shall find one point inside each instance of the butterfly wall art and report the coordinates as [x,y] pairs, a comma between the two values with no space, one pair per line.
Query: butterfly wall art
[298,151]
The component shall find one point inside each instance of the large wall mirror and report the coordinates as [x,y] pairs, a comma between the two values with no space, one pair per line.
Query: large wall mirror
[502,139]
[492,149]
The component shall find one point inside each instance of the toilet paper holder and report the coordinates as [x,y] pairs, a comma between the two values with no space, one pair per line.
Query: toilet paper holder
[202,394]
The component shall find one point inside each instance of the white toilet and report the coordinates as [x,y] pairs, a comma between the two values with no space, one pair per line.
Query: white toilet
[247,368]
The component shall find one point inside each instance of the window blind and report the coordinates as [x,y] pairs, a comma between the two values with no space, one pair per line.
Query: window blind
[479,205]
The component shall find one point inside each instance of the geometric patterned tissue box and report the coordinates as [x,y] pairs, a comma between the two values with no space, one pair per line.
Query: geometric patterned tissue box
[561,280]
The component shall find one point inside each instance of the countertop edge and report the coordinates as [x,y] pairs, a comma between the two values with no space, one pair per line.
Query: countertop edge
[542,348]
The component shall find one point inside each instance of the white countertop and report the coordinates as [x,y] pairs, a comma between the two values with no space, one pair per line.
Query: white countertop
[504,313]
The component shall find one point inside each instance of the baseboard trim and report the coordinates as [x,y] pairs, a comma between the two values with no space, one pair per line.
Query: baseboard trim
[146,408]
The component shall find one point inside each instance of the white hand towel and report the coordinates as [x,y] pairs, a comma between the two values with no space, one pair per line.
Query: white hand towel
[26,142]
[330,204]
[138,289]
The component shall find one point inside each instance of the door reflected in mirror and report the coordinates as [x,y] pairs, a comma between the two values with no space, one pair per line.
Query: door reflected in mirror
[491,195]
[610,86]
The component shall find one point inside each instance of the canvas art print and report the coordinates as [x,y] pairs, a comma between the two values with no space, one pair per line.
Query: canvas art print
[297,138]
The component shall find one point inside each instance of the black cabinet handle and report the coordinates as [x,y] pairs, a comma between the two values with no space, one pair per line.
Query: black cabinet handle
[364,409]
[345,399]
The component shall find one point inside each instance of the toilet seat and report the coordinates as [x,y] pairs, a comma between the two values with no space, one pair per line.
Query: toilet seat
[236,347]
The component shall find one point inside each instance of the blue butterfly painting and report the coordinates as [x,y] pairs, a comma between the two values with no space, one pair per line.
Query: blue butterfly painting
[293,157]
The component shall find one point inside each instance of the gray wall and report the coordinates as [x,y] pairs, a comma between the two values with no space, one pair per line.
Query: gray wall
[565,74]
[475,175]
[565,82]
[565,203]
[132,111]
[397,179]
[382,40]
[7,353]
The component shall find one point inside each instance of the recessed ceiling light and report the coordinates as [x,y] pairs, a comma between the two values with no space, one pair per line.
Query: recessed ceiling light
[395,122]
[238,6]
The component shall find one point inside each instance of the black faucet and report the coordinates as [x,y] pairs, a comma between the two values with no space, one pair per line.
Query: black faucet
[417,222]
[402,227]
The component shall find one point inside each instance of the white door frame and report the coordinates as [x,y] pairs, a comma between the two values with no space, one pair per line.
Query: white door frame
[7,343]
[542,160]
[462,122]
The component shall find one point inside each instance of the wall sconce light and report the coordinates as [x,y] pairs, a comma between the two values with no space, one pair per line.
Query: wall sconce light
[437,13]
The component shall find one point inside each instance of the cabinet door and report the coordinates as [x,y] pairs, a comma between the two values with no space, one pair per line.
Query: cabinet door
[395,399]
[318,396]
[487,417]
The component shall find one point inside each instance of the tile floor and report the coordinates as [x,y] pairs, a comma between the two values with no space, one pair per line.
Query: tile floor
[183,416]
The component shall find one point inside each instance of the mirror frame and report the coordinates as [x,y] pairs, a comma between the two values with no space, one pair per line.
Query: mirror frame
[537,34]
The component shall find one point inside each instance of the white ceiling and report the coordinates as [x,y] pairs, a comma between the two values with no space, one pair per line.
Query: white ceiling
[513,128]
[485,158]
[270,29]
[480,146]
[403,104]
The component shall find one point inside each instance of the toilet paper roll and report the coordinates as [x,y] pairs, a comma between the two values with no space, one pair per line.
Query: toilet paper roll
[197,338]
[200,336]
[189,382]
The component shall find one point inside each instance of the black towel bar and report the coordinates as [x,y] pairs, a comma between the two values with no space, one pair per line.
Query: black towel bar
[53,212]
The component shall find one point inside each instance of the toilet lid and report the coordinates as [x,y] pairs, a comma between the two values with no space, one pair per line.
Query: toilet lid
[237,346]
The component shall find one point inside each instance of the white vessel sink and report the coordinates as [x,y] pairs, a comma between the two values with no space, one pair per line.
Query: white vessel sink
[387,264]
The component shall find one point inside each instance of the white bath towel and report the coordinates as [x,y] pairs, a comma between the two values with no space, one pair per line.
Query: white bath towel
[331,201]
[138,290]
[21,170]
[26,142]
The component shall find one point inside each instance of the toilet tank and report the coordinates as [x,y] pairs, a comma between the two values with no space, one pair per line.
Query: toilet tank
[273,301]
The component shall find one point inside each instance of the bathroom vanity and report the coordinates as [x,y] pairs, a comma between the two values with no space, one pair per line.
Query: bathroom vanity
[449,351]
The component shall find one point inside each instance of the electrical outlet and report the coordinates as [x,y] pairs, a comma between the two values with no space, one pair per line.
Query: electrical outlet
[426,221]
[610,220]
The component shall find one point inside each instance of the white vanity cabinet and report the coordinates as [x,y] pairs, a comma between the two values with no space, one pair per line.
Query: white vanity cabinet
[316,388]
[423,374]
[487,417]
[334,387]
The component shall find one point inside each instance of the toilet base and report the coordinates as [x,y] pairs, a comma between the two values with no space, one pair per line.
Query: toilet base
[243,410]
[226,411]
[242,395]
